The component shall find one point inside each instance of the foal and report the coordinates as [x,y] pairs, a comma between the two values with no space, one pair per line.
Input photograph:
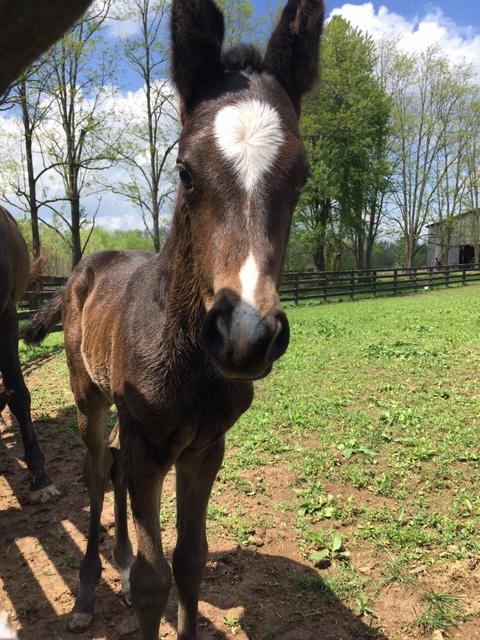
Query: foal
[175,340]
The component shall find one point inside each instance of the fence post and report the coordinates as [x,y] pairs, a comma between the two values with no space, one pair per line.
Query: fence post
[447,275]
[430,273]
[464,276]
[395,282]
[375,283]
[296,294]
[352,284]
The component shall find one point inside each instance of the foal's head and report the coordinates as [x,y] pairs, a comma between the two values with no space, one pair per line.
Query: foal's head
[242,165]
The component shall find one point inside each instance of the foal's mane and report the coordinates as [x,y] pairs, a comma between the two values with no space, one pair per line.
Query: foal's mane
[243,57]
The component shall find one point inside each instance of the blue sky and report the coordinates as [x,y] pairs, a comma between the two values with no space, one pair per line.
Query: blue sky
[463,12]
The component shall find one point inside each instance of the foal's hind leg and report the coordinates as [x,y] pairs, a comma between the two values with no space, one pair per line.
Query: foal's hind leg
[92,415]
[122,552]
[195,473]
[41,487]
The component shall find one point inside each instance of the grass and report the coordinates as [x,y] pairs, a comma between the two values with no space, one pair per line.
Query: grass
[442,610]
[377,399]
[364,442]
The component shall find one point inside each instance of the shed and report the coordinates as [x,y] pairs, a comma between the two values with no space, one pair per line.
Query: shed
[455,240]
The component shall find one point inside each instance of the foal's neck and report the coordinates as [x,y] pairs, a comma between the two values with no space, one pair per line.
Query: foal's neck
[179,283]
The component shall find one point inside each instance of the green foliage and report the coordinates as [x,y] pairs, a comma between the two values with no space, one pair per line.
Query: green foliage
[56,252]
[240,21]
[345,128]
[332,549]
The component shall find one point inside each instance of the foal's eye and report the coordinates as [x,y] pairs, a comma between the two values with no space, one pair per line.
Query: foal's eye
[185,177]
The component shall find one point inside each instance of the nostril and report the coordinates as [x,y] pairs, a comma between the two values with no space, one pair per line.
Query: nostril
[215,333]
[280,339]
[222,327]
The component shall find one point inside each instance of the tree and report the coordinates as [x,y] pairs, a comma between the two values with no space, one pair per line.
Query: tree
[149,135]
[345,125]
[240,23]
[20,176]
[76,136]
[426,91]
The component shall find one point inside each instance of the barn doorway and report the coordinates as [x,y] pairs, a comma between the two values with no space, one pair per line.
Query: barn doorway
[467,254]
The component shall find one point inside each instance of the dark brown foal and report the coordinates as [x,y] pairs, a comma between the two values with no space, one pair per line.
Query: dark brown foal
[175,340]
[14,269]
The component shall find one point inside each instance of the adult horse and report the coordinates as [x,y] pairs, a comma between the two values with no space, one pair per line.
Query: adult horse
[14,270]
[175,340]
[28,28]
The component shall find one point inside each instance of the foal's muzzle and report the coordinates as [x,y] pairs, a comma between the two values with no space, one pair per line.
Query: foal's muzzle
[242,343]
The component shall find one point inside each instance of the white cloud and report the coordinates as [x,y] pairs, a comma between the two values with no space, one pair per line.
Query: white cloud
[434,27]
[122,28]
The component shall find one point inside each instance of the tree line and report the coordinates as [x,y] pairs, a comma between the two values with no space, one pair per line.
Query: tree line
[392,140]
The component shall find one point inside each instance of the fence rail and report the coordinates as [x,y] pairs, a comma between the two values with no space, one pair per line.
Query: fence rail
[313,285]
[325,285]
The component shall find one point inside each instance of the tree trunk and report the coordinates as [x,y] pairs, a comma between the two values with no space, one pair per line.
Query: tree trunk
[409,251]
[324,208]
[319,255]
[76,242]
[155,221]
[32,185]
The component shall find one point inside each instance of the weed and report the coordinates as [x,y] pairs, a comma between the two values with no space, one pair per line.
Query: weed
[442,610]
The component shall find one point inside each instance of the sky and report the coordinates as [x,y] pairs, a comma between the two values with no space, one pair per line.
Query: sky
[453,24]
[464,12]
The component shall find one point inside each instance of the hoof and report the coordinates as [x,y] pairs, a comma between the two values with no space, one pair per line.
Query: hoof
[125,597]
[41,496]
[80,622]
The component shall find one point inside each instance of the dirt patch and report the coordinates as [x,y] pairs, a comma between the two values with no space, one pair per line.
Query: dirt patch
[248,592]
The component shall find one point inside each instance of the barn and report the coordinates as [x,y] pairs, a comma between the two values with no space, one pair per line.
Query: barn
[455,240]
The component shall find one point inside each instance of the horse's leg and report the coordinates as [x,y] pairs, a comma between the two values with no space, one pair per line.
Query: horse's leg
[195,475]
[96,472]
[122,552]
[150,576]
[41,487]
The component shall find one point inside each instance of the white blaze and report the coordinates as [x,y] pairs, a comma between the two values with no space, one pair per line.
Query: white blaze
[248,280]
[249,134]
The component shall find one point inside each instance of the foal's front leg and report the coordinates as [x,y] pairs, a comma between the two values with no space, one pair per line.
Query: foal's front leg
[150,576]
[195,473]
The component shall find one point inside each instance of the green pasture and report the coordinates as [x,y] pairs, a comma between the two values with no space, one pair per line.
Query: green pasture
[371,422]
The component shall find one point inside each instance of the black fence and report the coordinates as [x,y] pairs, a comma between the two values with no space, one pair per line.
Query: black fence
[327,285]
[314,285]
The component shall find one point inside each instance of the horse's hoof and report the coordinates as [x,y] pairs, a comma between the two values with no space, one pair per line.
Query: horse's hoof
[125,597]
[41,496]
[80,622]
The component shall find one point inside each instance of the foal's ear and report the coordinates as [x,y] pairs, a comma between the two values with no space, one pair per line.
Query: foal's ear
[197,36]
[293,50]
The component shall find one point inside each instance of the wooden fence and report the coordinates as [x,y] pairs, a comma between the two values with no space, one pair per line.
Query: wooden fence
[316,285]
[325,285]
